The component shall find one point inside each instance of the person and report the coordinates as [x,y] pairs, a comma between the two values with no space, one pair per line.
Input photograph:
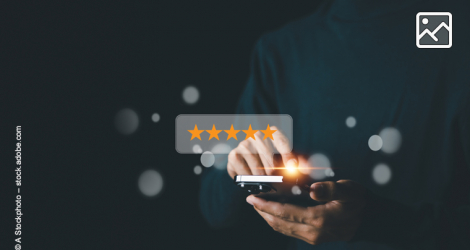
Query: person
[360,59]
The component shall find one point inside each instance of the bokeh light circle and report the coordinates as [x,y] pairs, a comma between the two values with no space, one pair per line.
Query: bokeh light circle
[126,121]
[329,172]
[221,151]
[197,149]
[155,117]
[351,122]
[150,182]
[320,162]
[197,170]
[375,143]
[190,95]
[207,159]
[391,140]
[381,174]
[296,190]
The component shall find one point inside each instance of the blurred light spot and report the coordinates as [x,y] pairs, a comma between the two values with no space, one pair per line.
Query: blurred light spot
[321,162]
[221,148]
[296,190]
[329,172]
[375,143]
[155,117]
[221,151]
[207,159]
[350,122]
[291,166]
[381,174]
[391,140]
[304,167]
[190,95]
[150,182]
[126,121]
[197,149]
[197,170]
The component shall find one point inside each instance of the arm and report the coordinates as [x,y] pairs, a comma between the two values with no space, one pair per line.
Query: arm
[352,213]
[223,203]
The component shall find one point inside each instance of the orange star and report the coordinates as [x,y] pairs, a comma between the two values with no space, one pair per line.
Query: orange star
[268,133]
[250,133]
[195,132]
[214,133]
[232,133]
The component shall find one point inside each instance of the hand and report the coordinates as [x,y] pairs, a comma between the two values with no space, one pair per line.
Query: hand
[337,220]
[255,157]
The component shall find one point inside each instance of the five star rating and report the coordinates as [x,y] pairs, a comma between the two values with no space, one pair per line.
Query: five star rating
[232,133]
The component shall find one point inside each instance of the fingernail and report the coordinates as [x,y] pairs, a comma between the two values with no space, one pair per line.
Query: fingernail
[249,201]
[319,190]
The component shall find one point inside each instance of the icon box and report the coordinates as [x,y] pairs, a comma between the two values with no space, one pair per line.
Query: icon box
[434,30]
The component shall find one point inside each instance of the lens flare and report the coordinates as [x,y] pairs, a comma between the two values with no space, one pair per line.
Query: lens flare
[291,166]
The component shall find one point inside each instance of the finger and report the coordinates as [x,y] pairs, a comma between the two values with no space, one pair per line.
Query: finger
[283,146]
[292,229]
[265,151]
[283,211]
[342,190]
[251,157]
[237,165]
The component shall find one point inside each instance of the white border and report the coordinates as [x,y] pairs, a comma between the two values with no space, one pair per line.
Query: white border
[436,46]
[259,178]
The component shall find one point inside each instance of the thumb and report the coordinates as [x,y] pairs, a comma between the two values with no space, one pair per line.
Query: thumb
[342,190]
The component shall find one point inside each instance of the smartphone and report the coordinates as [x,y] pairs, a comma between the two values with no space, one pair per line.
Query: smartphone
[277,188]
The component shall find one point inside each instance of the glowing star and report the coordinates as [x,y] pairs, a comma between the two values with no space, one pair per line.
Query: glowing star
[195,132]
[214,133]
[250,133]
[232,133]
[268,133]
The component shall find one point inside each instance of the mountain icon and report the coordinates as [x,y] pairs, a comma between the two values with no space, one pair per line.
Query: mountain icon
[434,30]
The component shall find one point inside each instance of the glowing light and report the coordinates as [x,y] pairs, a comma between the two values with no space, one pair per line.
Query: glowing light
[197,149]
[329,172]
[207,159]
[291,166]
[197,170]
[381,174]
[351,122]
[391,140]
[150,182]
[296,190]
[126,121]
[155,117]
[304,168]
[375,143]
[319,162]
[190,95]
[221,151]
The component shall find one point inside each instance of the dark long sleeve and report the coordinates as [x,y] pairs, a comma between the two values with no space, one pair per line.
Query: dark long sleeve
[222,202]
[425,226]
[339,63]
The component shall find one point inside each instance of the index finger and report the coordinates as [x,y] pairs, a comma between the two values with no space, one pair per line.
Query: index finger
[284,147]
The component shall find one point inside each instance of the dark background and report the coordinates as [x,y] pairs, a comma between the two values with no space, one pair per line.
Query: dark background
[68,68]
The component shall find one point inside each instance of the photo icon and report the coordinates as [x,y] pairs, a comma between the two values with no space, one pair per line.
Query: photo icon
[434,30]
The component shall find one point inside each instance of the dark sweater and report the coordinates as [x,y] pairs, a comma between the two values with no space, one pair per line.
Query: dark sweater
[359,58]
